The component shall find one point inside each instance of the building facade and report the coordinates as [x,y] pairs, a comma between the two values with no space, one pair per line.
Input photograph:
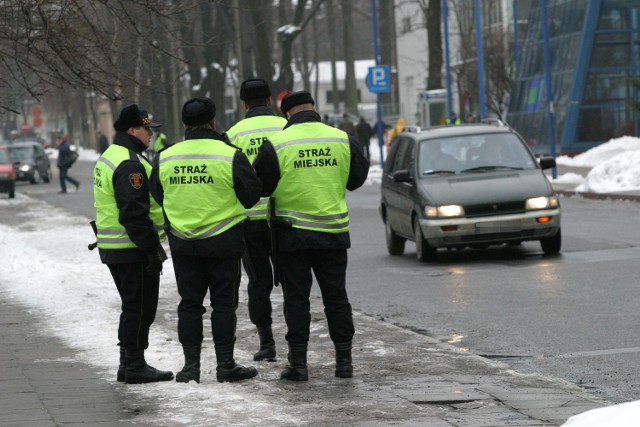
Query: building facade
[594,49]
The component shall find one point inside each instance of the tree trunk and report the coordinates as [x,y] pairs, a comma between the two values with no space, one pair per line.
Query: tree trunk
[388,54]
[351,92]
[434,35]
[332,43]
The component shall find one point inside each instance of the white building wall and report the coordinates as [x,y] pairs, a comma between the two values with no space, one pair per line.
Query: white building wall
[412,49]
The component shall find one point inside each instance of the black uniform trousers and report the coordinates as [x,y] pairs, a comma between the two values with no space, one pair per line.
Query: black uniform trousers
[139,294]
[258,249]
[195,276]
[330,268]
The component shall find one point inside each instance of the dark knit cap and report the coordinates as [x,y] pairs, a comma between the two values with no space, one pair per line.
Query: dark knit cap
[131,116]
[296,98]
[254,89]
[198,111]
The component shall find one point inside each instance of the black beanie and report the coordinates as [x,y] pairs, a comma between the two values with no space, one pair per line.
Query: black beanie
[131,116]
[198,111]
[254,89]
[296,98]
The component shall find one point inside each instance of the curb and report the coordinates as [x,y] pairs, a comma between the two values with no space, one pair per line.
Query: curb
[600,196]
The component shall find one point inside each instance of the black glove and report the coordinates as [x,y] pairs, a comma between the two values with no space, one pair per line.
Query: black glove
[154,263]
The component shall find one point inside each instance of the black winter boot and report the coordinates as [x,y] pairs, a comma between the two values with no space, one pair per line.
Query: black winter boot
[138,372]
[121,368]
[228,370]
[344,368]
[297,369]
[191,369]
[267,345]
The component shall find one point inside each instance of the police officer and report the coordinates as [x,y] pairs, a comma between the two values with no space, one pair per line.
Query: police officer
[248,134]
[307,167]
[204,185]
[129,229]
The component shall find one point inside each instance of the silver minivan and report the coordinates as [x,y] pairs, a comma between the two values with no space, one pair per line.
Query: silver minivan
[467,186]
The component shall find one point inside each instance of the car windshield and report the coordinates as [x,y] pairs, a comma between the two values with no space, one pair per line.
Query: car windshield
[22,153]
[473,153]
[4,157]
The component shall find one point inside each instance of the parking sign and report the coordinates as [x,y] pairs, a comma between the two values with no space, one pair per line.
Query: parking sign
[378,79]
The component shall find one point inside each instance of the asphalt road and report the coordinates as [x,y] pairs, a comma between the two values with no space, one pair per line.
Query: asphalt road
[574,316]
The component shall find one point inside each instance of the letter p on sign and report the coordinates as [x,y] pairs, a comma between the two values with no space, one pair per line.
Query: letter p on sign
[378,79]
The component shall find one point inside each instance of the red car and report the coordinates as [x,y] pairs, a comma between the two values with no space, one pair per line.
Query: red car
[7,173]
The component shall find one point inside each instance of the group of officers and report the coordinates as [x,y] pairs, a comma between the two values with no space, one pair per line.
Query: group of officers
[268,194]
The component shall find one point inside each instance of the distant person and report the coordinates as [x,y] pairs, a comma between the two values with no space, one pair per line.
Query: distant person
[454,119]
[103,143]
[364,132]
[66,157]
[395,131]
[346,125]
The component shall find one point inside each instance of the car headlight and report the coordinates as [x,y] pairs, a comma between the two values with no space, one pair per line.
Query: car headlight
[542,202]
[445,211]
[25,168]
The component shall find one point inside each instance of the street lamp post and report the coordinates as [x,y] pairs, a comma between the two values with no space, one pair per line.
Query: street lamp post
[445,23]
[374,14]
[547,83]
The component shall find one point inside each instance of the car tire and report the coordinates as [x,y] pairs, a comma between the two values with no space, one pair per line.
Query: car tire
[551,245]
[395,243]
[12,191]
[424,251]
[35,178]
[47,177]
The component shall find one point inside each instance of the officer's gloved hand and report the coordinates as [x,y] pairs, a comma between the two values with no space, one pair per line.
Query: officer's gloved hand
[154,263]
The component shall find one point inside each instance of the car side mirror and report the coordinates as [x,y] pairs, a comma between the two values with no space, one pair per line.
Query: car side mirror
[547,162]
[401,176]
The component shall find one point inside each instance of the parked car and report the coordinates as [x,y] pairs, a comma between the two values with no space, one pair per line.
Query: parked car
[334,119]
[467,186]
[7,173]
[32,163]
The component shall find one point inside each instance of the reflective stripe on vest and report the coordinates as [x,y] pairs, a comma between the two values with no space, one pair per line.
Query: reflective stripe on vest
[314,164]
[112,234]
[248,135]
[199,196]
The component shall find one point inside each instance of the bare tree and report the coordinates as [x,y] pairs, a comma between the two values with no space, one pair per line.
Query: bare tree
[351,93]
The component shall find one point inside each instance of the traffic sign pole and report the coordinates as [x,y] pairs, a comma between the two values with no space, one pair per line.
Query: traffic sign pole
[374,14]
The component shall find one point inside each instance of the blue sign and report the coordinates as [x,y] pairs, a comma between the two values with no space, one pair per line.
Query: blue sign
[378,79]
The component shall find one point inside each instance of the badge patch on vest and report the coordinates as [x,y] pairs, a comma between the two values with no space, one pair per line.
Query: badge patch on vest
[136,180]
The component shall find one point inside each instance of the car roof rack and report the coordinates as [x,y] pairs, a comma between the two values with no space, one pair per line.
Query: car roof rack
[494,122]
[412,128]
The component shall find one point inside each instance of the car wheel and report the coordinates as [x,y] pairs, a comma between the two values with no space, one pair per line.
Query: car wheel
[47,177]
[12,191]
[395,243]
[35,178]
[424,251]
[551,245]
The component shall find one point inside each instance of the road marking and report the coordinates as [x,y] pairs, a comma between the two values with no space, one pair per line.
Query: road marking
[593,353]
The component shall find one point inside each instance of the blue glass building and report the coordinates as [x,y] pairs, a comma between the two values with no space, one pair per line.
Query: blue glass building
[595,55]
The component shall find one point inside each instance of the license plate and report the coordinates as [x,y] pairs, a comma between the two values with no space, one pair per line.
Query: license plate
[497,227]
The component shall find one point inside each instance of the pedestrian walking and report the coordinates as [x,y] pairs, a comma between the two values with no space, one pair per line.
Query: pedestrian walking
[259,123]
[347,125]
[103,143]
[129,230]
[364,132]
[66,158]
[307,169]
[204,185]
